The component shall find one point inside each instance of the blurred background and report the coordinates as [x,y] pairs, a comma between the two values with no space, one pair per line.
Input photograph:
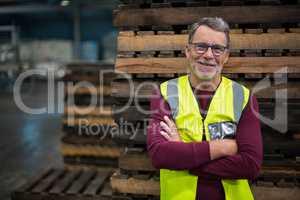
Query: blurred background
[44,35]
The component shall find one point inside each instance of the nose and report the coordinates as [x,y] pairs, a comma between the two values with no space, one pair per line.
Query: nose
[208,54]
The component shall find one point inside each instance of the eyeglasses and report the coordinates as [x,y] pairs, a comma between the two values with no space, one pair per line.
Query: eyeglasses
[202,47]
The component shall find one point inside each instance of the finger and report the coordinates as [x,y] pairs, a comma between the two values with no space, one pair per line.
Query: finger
[170,122]
[165,135]
[166,127]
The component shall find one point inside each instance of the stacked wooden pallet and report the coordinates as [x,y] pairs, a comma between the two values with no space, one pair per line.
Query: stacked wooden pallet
[265,48]
[65,184]
[88,122]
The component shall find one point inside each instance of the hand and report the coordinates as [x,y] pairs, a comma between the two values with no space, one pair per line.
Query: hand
[221,148]
[169,130]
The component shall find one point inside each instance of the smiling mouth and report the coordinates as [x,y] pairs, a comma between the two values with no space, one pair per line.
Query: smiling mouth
[206,64]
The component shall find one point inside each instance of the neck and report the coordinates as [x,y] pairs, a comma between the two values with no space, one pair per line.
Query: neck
[206,85]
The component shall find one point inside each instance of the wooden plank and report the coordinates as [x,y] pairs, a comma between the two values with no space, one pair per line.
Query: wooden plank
[106,191]
[294,30]
[122,88]
[234,65]
[48,181]
[126,33]
[96,66]
[81,182]
[93,162]
[134,186]
[63,183]
[90,150]
[151,187]
[97,183]
[275,193]
[238,41]
[134,161]
[188,15]
[80,166]
[34,181]
[88,121]
[96,90]
[142,76]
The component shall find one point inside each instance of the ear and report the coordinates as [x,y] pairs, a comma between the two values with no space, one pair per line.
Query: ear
[226,57]
[187,52]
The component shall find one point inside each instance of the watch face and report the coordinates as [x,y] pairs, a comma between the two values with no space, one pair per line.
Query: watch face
[222,130]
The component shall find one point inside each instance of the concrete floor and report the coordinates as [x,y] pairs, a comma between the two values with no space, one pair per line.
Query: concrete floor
[28,143]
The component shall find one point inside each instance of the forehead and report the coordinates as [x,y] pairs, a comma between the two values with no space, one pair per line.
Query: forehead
[208,35]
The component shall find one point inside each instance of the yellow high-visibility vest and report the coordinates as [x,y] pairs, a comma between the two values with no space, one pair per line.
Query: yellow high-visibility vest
[222,117]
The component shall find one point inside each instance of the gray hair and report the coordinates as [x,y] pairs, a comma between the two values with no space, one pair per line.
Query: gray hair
[215,23]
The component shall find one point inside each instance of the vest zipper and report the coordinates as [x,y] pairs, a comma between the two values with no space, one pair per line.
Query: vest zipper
[203,130]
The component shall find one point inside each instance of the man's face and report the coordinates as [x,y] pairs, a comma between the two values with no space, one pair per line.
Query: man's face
[206,65]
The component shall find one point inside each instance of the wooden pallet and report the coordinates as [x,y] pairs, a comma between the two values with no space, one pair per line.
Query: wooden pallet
[237,65]
[130,185]
[135,161]
[177,42]
[261,190]
[143,89]
[64,184]
[188,15]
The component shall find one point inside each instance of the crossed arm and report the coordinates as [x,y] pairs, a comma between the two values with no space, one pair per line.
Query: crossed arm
[232,159]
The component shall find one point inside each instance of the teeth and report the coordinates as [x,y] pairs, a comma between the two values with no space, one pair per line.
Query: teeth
[207,64]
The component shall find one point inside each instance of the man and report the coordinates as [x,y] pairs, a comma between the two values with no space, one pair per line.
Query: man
[203,134]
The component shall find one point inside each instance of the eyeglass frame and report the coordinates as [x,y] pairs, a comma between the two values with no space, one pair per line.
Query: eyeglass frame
[211,46]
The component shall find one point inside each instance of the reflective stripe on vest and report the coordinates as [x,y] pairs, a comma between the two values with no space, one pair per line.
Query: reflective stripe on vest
[172,92]
[225,108]
[238,99]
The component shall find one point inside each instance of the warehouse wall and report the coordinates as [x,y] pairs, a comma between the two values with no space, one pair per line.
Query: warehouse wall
[44,29]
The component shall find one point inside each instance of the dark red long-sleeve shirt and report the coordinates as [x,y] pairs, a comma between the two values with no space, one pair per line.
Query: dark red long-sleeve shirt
[195,156]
